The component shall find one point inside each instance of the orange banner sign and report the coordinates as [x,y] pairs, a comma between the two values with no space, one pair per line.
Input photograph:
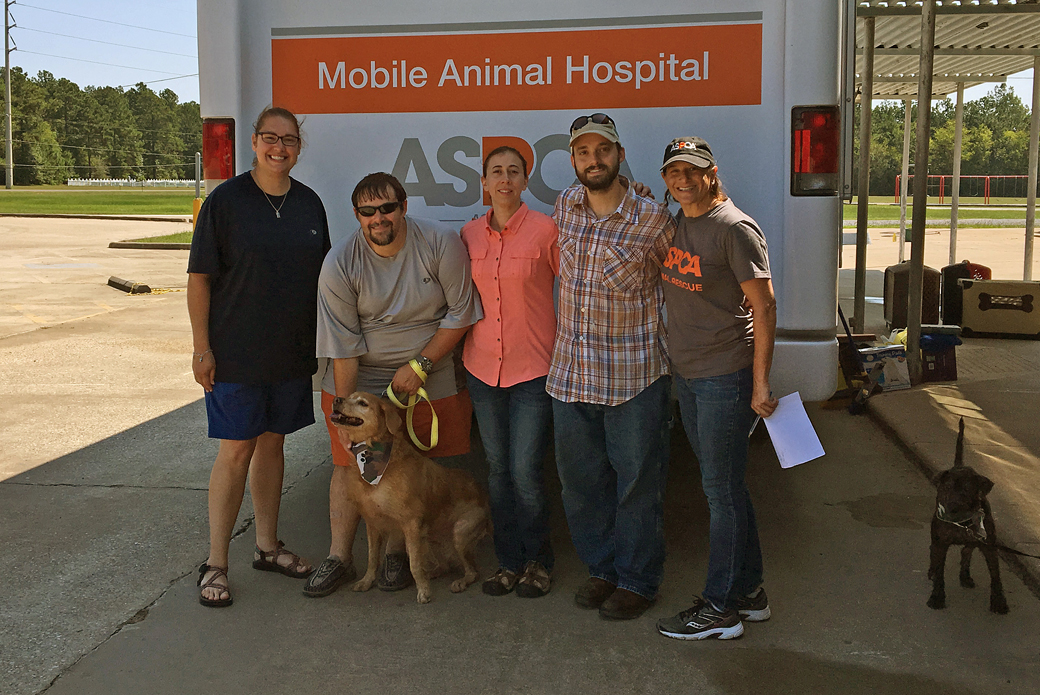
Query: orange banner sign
[706,65]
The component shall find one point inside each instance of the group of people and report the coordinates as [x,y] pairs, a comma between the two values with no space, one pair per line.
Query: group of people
[389,305]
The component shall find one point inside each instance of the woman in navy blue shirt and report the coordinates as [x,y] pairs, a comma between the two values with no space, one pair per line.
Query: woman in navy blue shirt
[258,246]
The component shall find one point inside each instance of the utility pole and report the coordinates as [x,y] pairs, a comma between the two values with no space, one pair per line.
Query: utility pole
[9,161]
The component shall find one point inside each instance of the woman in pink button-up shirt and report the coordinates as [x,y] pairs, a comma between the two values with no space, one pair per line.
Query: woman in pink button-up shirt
[515,259]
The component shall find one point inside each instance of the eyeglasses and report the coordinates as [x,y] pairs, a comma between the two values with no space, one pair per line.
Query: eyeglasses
[582,121]
[287,140]
[385,208]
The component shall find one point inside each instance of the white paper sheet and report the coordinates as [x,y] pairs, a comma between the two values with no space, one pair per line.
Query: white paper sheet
[794,438]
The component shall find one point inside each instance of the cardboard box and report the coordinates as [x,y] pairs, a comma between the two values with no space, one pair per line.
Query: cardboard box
[895,374]
[1009,307]
[939,365]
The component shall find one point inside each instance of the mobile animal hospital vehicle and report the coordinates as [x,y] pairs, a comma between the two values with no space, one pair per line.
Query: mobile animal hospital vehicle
[424,89]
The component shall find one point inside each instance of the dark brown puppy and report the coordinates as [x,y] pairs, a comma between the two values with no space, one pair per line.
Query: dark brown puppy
[963,517]
[441,511]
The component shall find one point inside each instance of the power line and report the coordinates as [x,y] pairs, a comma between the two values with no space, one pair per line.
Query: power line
[106,21]
[98,149]
[165,79]
[103,166]
[108,125]
[96,62]
[107,43]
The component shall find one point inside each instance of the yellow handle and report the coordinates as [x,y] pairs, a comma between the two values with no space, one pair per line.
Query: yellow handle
[410,409]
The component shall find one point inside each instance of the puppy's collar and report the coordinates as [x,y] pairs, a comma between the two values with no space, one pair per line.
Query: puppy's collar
[372,459]
[972,524]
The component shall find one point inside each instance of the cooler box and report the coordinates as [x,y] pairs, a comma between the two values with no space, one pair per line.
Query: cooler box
[951,291]
[897,291]
[1009,307]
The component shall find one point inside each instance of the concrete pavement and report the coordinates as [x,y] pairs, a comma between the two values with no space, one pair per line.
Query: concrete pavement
[997,391]
[104,464]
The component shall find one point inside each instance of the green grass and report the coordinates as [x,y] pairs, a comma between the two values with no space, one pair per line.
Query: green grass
[103,202]
[178,238]
[891,212]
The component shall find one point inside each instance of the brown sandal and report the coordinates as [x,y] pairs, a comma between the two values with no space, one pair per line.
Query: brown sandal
[218,572]
[268,562]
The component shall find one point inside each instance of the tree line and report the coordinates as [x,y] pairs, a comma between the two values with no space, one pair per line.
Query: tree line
[994,139]
[61,131]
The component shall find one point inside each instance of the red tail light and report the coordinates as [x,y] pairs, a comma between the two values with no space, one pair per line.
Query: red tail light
[218,150]
[815,136]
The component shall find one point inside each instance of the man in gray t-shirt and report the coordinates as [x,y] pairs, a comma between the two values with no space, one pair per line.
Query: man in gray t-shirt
[393,301]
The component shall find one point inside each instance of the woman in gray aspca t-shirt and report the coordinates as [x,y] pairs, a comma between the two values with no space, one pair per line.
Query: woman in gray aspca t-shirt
[721,352]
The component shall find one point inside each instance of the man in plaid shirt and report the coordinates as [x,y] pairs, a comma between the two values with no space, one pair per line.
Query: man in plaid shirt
[609,374]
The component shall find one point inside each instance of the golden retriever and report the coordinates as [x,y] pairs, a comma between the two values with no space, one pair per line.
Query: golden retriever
[441,511]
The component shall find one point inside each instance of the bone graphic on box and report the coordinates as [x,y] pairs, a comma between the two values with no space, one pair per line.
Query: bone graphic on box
[989,301]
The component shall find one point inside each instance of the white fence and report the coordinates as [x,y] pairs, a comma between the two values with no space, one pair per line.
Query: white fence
[131,183]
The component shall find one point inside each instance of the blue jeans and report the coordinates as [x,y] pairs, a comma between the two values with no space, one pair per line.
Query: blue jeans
[717,414]
[613,461]
[514,428]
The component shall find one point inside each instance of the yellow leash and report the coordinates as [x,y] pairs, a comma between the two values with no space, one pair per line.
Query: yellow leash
[410,409]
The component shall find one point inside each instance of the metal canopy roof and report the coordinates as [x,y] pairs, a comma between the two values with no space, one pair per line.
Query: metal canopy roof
[976,42]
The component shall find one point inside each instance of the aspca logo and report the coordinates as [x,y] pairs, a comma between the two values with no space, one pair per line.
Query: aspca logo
[412,163]
[682,262]
[683,145]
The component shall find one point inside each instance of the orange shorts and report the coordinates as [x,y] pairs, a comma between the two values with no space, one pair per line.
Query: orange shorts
[454,417]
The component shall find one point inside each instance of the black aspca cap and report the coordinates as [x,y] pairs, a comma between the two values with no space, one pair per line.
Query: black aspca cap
[694,150]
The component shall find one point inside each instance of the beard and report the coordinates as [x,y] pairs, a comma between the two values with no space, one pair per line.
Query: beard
[600,181]
[384,236]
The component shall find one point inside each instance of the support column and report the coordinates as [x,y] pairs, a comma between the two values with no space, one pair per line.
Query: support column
[924,122]
[904,180]
[9,162]
[866,106]
[956,202]
[1034,143]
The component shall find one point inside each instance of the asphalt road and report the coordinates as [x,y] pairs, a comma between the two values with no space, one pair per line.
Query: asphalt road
[104,462]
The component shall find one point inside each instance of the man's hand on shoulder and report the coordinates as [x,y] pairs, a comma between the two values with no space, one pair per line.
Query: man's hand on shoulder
[642,189]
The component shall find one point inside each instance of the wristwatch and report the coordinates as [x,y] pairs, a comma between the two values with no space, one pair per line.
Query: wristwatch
[426,363]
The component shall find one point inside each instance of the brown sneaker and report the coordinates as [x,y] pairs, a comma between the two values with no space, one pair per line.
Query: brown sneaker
[593,592]
[500,583]
[535,581]
[624,605]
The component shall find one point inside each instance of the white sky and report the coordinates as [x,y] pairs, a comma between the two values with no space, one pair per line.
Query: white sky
[175,21]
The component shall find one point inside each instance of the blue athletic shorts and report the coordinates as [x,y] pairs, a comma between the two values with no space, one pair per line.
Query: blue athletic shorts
[245,411]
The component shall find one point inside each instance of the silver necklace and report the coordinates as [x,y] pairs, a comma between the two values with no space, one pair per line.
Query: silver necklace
[277,210]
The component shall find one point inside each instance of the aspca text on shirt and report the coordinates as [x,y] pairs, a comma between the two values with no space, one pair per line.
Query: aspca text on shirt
[685,270]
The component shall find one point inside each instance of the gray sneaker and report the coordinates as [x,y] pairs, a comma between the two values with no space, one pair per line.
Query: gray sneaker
[329,576]
[700,621]
[396,574]
[754,607]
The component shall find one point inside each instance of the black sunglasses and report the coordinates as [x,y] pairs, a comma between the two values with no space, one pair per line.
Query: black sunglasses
[582,121]
[385,208]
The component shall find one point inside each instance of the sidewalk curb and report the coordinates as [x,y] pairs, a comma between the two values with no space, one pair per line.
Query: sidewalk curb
[146,245]
[930,468]
[74,216]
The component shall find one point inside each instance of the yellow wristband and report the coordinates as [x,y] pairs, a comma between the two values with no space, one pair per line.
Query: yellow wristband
[414,364]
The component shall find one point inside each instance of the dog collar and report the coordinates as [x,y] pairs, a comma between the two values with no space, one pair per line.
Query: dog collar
[372,459]
[972,524]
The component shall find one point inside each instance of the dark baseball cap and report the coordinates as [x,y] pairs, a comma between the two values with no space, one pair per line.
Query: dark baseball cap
[694,150]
